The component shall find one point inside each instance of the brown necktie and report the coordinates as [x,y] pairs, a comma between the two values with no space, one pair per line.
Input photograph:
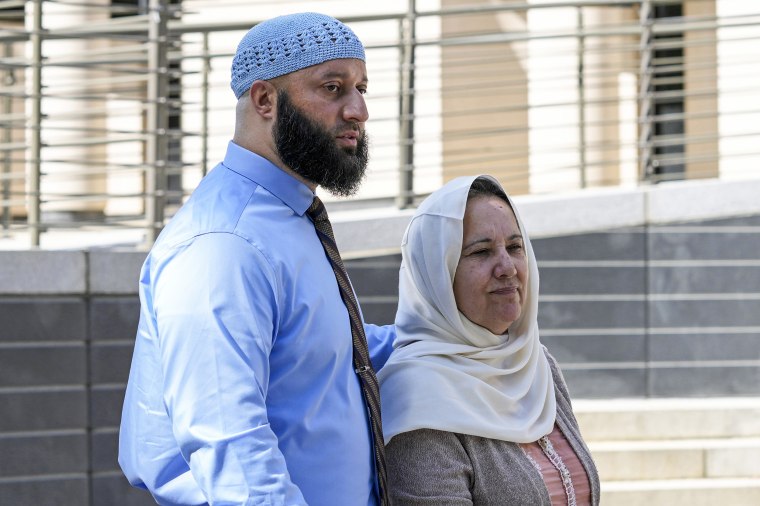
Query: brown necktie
[362,365]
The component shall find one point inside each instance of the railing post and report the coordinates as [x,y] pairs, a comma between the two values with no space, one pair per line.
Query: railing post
[646,91]
[204,105]
[34,126]
[9,79]
[406,113]
[157,119]
[581,98]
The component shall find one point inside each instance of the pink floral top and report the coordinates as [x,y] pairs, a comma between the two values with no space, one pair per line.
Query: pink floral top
[563,473]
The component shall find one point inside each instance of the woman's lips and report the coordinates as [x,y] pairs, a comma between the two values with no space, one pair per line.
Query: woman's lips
[507,290]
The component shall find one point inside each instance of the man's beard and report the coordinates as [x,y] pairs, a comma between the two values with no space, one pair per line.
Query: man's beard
[311,151]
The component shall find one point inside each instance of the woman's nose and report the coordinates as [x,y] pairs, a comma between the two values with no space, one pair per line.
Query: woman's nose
[505,266]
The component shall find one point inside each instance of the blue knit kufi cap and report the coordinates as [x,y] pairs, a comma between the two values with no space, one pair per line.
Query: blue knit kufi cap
[288,43]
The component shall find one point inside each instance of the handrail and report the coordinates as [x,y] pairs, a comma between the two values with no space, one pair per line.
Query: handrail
[548,97]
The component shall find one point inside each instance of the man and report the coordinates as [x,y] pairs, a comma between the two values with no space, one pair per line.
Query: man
[243,388]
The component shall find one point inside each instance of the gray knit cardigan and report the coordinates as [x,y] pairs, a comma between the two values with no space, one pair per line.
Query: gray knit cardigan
[431,467]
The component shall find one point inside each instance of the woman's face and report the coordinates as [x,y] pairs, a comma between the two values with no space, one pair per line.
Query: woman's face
[491,277]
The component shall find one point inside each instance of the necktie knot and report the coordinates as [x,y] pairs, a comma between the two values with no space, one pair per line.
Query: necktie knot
[317,211]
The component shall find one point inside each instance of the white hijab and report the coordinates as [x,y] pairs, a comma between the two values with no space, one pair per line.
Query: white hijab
[445,372]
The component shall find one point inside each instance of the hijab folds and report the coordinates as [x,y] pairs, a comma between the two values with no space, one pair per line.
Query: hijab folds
[446,372]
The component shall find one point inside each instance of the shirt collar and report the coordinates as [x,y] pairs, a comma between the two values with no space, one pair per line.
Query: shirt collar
[276,181]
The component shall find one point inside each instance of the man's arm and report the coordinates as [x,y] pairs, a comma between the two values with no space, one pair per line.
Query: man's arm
[216,311]
[380,343]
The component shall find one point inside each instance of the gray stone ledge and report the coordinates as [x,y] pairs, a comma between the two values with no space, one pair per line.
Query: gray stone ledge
[115,272]
[379,231]
[42,272]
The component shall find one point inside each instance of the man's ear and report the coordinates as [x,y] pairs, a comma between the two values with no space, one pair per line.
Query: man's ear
[263,96]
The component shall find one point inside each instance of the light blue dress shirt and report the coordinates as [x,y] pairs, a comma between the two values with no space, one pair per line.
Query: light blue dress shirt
[242,389]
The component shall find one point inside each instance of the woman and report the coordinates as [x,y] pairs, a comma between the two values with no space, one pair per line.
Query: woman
[475,410]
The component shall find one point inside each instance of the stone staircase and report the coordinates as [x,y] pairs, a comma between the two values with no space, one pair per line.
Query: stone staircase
[675,452]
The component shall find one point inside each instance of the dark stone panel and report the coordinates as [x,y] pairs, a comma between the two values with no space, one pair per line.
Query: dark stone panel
[109,363]
[46,492]
[698,346]
[43,410]
[43,454]
[707,313]
[606,383]
[704,279]
[49,365]
[374,279]
[105,451]
[115,490]
[114,318]
[707,245]
[597,348]
[592,280]
[623,244]
[43,319]
[105,406]
[379,313]
[591,314]
[704,381]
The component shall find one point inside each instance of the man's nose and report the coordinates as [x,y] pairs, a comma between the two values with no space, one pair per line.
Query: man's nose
[355,109]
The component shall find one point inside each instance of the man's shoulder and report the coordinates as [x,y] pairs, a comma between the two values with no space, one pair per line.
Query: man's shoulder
[226,202]
[215,206]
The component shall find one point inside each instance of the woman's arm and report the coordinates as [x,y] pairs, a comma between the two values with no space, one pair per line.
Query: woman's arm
[428,468]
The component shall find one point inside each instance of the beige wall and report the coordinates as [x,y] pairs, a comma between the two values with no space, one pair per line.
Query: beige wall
[701,98]
[486,94]
[605,60]
[496,108]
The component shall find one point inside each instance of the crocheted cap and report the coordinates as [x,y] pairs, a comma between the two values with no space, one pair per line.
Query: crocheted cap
[288,43]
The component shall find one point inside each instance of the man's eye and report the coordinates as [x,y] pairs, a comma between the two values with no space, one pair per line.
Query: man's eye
[332,87]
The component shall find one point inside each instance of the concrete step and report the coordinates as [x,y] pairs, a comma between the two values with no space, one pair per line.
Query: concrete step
[668,419]
[705,492]
[677,459]
[675,452]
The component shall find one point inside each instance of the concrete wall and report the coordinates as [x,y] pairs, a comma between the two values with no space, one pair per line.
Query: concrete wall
[659,311]
[68,323]
[643,311]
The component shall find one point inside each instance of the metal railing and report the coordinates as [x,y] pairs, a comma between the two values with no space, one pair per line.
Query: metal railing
[112,113]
